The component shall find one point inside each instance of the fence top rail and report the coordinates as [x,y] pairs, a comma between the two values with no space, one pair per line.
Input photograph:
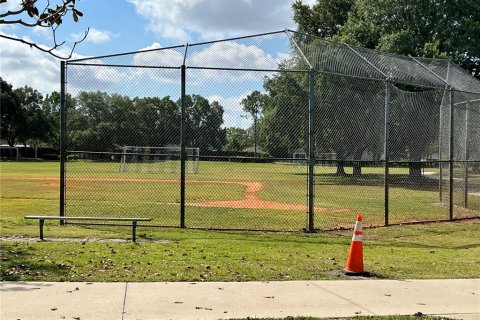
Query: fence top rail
[239,38]
[409,70]
[125,53]
[362,48]
[87,218]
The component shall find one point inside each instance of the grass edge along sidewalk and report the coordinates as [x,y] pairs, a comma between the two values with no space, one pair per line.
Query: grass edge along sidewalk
[427,251]
[218,300]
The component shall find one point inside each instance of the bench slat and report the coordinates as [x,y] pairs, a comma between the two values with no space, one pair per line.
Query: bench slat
[87,218]
[41,220]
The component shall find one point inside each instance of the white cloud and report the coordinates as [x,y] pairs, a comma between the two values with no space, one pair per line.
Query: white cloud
[95,36]
[231,54]
[93,78]
[21,65]
[11,6]
[24,66]
[172,58]
[310,2]
[161,57]
[233,115]
[176,19]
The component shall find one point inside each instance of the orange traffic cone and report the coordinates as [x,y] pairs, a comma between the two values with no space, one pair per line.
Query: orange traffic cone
[354,266]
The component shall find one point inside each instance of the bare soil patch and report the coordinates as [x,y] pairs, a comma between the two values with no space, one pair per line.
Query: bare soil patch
[250,199]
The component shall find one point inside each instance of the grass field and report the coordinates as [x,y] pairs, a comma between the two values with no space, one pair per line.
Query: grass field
[439,250]
[225,195]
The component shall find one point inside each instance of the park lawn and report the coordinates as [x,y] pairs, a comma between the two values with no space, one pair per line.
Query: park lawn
[430,251]
[441,250]
[97,188]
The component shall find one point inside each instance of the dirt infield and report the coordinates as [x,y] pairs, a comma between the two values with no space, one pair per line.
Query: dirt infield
[250,199]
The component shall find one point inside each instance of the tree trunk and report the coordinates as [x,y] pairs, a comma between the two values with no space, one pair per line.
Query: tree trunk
[357,169]
[11,141]
[340,169]
[415,170]
[357,166]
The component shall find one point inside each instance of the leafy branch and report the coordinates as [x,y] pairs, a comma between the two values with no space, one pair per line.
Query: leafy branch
[51,16]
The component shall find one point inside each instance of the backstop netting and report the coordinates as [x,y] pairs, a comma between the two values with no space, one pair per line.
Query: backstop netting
[158,159]
[395,138]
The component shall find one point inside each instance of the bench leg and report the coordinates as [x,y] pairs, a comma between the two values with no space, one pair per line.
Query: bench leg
[134,231]
[41,222]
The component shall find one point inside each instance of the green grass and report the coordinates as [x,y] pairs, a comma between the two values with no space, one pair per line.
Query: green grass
[440,250]
[338,199]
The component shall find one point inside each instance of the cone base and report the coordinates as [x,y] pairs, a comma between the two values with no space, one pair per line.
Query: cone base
[358,274]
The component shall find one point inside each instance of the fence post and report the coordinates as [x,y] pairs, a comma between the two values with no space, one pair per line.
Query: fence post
[465,187]
[451,131]
[62,139]
[440,153]
[311,150]
[387,150]
[182,150]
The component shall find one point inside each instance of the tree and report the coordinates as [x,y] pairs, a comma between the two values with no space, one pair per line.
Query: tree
[51,107]
[30,14]
[103,122]
[204,123]
[237,139]
[158,122]
[87,120]
[254,104]
[35,127]
[11,113]
[285,116]
[23,117]
[324,19]
[427,28]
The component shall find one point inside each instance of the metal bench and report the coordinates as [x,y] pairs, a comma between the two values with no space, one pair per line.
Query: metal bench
[41,220]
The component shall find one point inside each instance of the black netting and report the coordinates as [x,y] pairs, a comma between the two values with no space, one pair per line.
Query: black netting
[277,127]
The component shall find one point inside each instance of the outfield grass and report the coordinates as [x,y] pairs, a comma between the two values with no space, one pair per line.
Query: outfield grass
[100,189]
[441,250]
[338,199]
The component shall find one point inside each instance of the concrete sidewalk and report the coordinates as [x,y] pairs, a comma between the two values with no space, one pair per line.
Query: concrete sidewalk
[223,300]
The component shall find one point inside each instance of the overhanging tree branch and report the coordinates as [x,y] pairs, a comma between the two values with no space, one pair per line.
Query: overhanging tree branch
[50,17]
[49,50]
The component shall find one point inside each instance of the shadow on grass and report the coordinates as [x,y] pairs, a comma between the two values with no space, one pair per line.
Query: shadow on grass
[372,179]
[19,262]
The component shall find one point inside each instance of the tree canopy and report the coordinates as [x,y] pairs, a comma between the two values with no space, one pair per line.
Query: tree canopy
[427,28]
[99,121]
[40,14]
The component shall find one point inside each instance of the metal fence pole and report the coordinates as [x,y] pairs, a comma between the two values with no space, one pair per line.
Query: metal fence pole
[182,151]
[311,150]
[63,141]
[440,154]
[451,165]
[465,187]
[387,149]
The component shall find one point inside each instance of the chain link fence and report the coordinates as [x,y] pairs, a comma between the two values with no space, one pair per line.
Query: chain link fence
[278,131]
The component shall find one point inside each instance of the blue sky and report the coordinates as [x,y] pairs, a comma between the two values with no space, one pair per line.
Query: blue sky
[130,25]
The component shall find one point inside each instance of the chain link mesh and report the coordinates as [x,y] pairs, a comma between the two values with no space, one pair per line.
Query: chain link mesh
[389,141]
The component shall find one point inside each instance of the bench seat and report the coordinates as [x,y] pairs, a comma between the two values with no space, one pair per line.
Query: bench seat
[41,220]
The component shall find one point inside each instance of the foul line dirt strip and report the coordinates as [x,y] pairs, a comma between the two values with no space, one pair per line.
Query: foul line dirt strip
[250,201]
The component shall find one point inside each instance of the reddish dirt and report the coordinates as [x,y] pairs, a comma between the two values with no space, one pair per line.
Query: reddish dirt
[68,185]
[250,200]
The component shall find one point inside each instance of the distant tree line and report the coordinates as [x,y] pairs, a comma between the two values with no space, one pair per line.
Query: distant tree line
[98,121]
